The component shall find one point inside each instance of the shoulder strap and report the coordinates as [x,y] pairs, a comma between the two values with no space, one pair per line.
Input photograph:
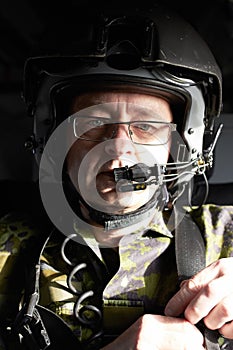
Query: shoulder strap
[190,258]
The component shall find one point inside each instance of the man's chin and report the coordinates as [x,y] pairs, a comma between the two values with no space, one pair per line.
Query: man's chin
[119,203]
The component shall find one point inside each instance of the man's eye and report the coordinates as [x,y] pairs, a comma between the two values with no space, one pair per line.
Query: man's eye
[144,127]
[95,122]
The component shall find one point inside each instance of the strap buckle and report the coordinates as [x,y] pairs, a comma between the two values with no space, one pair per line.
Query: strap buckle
[32,331]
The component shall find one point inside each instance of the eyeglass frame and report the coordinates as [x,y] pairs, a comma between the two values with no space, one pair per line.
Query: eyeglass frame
[172,127]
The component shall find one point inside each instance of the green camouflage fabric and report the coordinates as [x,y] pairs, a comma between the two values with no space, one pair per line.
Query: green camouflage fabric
[17,234]
[139,278]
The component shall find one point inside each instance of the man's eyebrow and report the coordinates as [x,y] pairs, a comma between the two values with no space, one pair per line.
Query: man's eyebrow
[141,109]
[145,112]
[100,105]
[96,106]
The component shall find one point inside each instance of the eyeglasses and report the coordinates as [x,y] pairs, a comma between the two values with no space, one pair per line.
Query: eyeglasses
[141,132]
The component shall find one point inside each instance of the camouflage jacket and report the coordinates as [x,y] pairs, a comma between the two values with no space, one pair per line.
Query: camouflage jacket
[139,278]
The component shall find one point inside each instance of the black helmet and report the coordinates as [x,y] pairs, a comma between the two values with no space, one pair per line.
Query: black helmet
[150,50]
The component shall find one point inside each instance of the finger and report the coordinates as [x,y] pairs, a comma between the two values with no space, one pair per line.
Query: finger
[227,330]
[190,288]
[182,298]
[209,297]
[220,314]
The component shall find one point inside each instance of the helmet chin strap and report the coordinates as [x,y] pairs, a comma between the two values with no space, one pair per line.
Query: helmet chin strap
[112,221]
[118,221]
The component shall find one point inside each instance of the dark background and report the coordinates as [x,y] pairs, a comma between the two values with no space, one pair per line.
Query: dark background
[24,23]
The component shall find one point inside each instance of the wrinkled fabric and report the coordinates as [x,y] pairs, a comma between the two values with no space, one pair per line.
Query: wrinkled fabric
[140,279]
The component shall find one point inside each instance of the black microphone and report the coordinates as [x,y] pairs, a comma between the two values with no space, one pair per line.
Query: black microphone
[125,176]
[139,173]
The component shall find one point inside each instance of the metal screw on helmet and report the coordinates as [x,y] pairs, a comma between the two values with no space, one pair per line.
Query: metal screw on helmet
[31,144]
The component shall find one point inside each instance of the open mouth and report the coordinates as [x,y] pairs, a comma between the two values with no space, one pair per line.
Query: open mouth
[105,181]
[109,174]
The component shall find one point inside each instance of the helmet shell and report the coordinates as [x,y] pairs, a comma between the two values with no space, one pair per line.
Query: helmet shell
[149,38]
[125,42]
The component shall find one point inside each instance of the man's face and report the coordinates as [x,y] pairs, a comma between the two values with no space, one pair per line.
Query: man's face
[90,163]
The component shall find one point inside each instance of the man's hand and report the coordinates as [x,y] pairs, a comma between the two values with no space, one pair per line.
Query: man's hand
[154,332]
[208,296]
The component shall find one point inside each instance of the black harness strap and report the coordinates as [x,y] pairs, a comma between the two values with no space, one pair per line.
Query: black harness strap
[190,259]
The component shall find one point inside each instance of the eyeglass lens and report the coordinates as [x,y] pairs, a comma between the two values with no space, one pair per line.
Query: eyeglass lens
[140,132]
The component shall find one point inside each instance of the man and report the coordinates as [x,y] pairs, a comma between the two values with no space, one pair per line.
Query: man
[120,120]
[101,149]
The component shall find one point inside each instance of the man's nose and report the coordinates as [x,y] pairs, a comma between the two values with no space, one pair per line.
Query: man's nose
[121,142]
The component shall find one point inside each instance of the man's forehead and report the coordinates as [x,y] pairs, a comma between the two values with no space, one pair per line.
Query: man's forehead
[112,99]
[117,108]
